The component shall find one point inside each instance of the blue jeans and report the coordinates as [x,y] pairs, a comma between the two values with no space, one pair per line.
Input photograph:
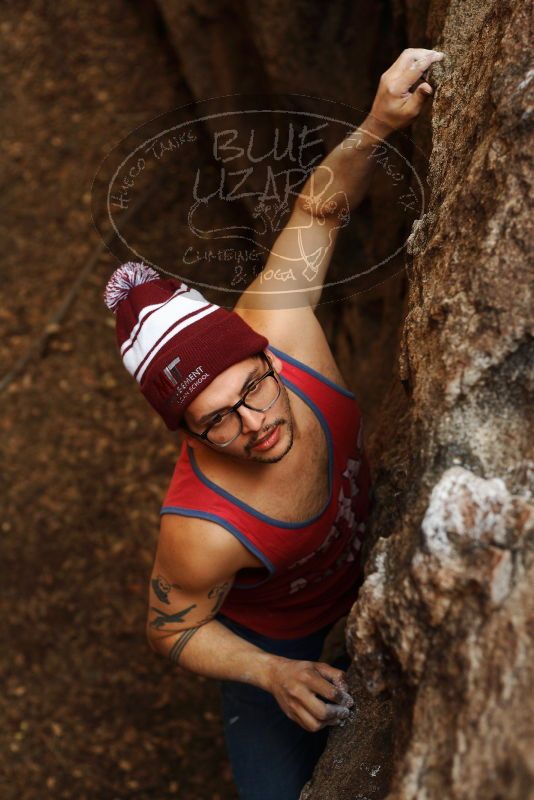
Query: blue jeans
[272,757]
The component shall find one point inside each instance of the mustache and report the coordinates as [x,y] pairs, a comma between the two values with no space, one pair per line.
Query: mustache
[264,433]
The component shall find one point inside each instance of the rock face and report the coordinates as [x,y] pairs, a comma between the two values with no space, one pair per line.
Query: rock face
[441,634]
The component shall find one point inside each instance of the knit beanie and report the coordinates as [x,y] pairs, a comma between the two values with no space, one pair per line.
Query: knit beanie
[171,339]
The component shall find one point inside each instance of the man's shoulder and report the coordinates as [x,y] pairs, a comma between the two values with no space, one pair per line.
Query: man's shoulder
[192,540]
[195,533]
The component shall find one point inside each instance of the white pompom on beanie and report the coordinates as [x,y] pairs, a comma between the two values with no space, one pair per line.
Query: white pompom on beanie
[171,339]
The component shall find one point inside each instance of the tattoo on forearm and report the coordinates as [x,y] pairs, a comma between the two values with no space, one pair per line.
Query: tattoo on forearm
[163,618]
[176,650]
[162,587]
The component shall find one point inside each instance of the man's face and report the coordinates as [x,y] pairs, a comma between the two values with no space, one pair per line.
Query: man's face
[223,392]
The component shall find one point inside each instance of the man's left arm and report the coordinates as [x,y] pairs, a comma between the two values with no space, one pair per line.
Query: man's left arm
[303,250]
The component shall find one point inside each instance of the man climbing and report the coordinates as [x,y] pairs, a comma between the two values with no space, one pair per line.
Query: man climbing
[262,524]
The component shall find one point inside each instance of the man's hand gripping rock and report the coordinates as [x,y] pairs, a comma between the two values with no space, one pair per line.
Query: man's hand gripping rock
[312,694]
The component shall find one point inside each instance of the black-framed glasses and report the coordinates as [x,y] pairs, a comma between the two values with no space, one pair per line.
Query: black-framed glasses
[225,427]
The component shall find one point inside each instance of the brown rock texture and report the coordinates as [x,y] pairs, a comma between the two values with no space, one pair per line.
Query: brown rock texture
[441,634]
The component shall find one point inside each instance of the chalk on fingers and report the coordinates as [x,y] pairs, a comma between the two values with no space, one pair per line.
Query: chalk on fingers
[341,712]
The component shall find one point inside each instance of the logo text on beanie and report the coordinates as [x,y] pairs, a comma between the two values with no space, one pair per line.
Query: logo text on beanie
[172,372]
[184,388]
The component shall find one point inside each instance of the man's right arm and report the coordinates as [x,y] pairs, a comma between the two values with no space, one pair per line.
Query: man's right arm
[193,571]
[194,568]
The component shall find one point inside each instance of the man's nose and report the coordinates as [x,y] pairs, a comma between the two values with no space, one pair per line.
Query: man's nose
[252,420]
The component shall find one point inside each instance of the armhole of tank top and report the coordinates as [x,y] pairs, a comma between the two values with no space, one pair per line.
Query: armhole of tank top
[207,515]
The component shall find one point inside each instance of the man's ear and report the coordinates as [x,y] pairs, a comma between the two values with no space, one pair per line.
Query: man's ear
[275,361]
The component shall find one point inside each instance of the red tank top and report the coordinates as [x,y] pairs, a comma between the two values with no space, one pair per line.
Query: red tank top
[312,569]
